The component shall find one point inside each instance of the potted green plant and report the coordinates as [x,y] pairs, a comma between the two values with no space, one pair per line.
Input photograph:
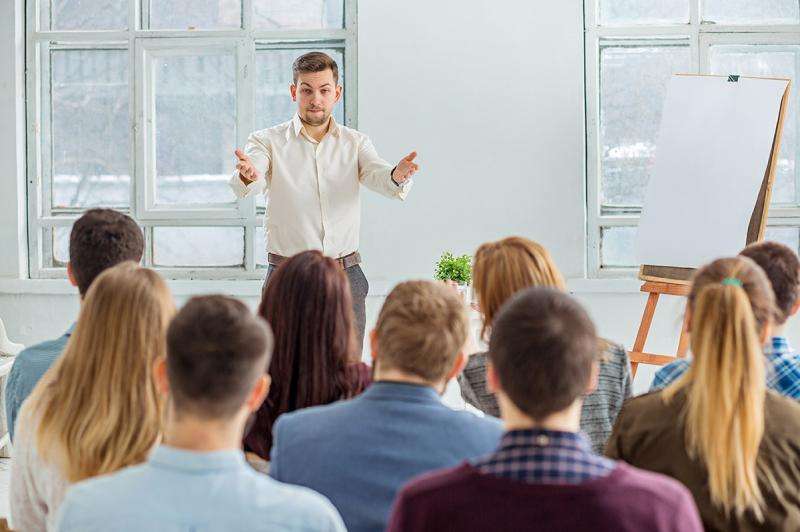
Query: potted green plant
[455,269]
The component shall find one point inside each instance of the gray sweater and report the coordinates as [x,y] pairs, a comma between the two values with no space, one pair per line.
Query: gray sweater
[600,408]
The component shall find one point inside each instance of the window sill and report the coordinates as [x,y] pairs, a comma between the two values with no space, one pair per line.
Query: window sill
[252,288]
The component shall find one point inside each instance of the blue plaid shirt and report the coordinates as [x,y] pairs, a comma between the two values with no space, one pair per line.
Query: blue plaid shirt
[545,457]
[783,369]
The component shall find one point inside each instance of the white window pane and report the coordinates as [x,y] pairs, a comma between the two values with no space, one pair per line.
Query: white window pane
[198,246]
[195,128]
[298,14]
[618,12]
[261,246]
[195,14]
[633,84]
[273,77]
[751,12]
[789,236]
[55,246]
[769,61]
[618,247]
[89,111]
[83,14]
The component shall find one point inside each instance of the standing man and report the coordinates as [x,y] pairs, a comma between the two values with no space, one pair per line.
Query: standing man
[311,169]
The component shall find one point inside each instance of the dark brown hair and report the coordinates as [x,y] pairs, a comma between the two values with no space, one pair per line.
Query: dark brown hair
[782,267]
[100,239]
[307,302]
[314,62]
[543,346]
[421,328]
[216,351]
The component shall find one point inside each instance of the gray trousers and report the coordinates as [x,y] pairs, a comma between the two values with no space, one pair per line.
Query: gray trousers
[359,287]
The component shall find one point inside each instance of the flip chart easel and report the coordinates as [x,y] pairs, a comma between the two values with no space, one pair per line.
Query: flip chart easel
[675,281]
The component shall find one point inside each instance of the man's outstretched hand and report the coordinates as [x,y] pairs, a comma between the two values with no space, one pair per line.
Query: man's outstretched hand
[405,168]
[247,172]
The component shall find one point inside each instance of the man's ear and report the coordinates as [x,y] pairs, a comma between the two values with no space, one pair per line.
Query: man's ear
[594,378]
[70,275]
[160,376]
[373,345]
[293,91]
[795,308]
[458,367]
[339,93]
[492,381]
[258,393]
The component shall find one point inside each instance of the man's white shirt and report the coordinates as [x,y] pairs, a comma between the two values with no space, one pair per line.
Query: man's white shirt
[313,187]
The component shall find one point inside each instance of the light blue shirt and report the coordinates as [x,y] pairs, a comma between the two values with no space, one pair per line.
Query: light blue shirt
[178,490]
[29,367]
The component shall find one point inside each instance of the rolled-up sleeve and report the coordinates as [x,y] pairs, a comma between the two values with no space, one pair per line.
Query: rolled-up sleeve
[257,149]
[376,174]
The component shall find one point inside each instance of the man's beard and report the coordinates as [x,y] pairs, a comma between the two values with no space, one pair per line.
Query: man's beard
[311,119]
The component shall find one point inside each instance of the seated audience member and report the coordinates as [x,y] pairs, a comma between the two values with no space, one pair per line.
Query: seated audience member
[97,409]
[359,452]
[717,429]
[503,268]
[544,475]
[307,303]
[782,267]
[101,238]
[197,478]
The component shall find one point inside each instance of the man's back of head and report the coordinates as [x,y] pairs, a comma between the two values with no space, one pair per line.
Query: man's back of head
[420,332]
[100,239]
[543,349]
[216,352]
[782,267]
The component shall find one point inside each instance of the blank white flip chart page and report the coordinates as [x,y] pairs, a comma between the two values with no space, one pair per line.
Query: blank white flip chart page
[713,151]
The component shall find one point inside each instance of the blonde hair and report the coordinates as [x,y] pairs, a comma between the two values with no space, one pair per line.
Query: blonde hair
[505,267]
[98,405]
[421,329]
[730,303]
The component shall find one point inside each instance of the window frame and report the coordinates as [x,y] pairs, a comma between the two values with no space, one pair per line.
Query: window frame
[140,44]
[700,37]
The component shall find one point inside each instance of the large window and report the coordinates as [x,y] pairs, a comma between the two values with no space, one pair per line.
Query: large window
[139,104]
[632,49]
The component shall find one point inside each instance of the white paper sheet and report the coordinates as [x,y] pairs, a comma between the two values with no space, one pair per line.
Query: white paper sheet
[713,151]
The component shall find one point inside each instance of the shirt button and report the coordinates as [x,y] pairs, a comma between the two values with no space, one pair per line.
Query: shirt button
[542,440]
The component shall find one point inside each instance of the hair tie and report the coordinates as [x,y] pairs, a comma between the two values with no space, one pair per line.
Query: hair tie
[732,281]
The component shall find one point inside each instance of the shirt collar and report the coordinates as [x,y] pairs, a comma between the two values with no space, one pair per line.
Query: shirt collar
[545,438]
[194,461]
[297,126]
[70,330]
[778,346]
[403,391]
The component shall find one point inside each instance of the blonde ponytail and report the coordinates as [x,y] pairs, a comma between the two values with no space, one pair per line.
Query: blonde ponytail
[730,304]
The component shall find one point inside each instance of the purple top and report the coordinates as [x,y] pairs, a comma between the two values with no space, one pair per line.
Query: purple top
[463,499]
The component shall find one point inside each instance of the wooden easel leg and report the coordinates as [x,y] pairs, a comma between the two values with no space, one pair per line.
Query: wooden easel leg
[644,328]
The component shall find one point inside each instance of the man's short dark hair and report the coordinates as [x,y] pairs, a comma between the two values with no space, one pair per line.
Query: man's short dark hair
[100,239]
[782,267]
[543,347]
[314,62]
[216,351]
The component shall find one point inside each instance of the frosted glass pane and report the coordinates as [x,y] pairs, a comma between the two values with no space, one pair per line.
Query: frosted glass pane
[618,247]
[90,128]
[789,236]
[769,61]
[751,11]
[83,14]
[198,246]
[195,14]
[298,14]
[195,128]
[633,83]
[618,12]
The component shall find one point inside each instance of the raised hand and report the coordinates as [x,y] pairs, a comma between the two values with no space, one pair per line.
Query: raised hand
[405,168]
[247,172]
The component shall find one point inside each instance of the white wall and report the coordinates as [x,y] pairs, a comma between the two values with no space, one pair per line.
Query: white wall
[489,92]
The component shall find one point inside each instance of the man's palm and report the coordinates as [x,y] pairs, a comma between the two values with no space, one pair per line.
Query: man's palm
[247,172]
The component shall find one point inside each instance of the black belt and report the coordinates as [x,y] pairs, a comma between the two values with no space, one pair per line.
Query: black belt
[345,262]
